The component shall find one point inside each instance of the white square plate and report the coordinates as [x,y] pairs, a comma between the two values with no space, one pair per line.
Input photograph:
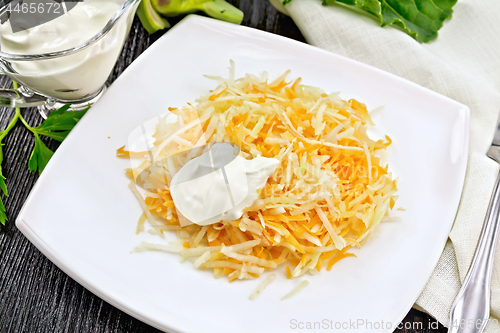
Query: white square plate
[82,216]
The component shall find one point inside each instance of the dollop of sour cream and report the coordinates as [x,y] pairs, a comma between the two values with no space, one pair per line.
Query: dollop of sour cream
[74,76]
[218,186]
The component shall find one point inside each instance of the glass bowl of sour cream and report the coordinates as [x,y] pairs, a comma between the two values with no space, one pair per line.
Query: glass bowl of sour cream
[62,54]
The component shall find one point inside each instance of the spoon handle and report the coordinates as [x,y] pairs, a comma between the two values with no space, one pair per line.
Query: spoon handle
[471,310]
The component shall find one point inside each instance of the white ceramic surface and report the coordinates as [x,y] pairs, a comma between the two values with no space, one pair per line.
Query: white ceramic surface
[82,216]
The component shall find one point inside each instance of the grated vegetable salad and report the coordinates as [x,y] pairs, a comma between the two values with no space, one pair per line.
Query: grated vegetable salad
[328,195]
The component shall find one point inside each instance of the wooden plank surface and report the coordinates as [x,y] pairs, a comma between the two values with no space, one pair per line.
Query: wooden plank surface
[35,296]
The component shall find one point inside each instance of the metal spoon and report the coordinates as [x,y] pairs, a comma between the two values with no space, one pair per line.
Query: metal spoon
[470,312]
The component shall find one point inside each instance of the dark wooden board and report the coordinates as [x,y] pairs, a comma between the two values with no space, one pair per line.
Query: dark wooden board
[35,295]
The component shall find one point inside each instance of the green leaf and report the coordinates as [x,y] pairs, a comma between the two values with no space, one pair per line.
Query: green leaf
[40,156]
[371,6]
[3,186]
[59,123]
[421,19]
[3,213]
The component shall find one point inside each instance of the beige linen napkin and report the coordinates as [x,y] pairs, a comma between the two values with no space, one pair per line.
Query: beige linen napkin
[463,64]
